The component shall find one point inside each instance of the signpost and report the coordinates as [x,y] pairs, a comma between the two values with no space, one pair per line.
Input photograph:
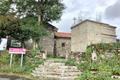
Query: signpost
[21,51]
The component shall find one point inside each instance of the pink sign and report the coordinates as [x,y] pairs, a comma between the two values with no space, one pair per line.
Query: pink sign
[17,50]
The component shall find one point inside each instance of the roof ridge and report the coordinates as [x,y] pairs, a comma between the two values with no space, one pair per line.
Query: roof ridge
[92,21]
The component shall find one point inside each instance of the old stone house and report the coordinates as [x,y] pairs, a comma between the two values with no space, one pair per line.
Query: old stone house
[90,32]
[62,43]
[47,43]
[56,43]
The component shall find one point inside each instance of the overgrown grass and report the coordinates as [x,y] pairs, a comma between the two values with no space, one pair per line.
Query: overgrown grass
[71,62]
[104,67]
[29,63]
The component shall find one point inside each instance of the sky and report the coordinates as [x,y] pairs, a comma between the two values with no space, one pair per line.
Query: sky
[107,11]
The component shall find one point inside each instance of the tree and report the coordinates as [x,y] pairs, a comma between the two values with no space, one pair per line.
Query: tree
[21,30]
[8,25]
[5,6]
[30,29]
[45,10]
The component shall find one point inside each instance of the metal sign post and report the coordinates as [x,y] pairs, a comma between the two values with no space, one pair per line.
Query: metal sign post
[11,56]
[21,62]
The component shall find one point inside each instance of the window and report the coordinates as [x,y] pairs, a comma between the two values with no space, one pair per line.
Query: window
[63,44]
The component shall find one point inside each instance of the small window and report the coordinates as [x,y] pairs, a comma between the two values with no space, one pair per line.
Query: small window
[63,44]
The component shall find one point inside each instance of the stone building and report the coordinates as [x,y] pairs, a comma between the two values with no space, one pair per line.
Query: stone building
[62,43]
[55,43]
[47,43]
[90,32]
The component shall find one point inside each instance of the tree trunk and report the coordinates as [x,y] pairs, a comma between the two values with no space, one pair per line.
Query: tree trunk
[40,11]
[39,19]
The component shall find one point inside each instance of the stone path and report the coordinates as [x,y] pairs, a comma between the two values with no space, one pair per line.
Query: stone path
[55,70]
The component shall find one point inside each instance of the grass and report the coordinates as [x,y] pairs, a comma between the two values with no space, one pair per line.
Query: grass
[29,63]
[103,68]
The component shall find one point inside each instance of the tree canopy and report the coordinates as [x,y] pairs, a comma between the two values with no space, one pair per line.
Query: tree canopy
[5,6]
[20,18]
[9,25]
[45,10]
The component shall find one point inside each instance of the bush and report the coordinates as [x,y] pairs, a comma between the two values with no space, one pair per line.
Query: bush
[87,75]
[71,62]
[83,66]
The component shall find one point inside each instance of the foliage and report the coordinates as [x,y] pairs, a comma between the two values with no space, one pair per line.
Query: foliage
[8,25]
[83,66]
[71,62]
[34,29]
[21,30]
[87,75]
[104,67]
[101,48]
[5,6]
[48,10]
[29,63]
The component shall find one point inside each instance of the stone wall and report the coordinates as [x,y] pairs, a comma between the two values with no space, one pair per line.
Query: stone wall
[91,32]
[47,43]
[79,38]
[100,33]
[62,46]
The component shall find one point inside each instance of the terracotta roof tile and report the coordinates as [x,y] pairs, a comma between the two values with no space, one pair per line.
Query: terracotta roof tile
[63,34]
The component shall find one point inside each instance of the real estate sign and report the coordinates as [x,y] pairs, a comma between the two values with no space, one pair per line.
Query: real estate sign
[17,50]
[21,51]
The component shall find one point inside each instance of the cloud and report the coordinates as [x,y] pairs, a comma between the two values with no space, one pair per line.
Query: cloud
[113,11]
[86,8]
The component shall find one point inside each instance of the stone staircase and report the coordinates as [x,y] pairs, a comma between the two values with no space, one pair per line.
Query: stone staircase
[55,70]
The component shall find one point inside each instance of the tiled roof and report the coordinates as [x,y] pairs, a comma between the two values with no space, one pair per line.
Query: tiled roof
[63,34]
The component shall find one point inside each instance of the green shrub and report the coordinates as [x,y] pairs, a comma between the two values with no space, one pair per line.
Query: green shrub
[71,62]
[87,75]
[83,65]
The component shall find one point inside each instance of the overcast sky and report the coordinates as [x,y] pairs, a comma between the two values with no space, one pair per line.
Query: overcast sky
[107,11]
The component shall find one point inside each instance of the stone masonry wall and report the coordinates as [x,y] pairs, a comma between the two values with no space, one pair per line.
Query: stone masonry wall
[47,43]
[90,32]
[63,46]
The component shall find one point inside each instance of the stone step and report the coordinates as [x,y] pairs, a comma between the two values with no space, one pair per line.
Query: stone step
[58,73]
[56,70]
[56,78]
[60,78]
[54,64]
[56,60]
[61,70]
[68,67]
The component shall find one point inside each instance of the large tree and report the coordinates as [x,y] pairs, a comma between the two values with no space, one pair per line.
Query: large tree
[45,10]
